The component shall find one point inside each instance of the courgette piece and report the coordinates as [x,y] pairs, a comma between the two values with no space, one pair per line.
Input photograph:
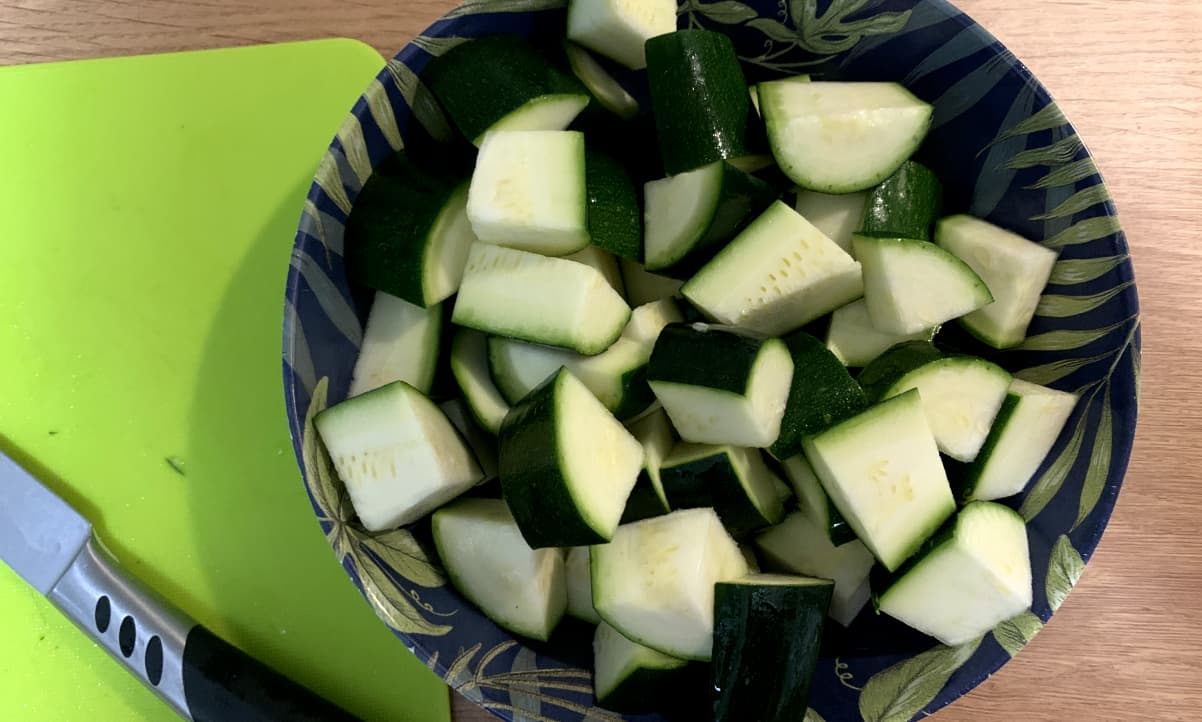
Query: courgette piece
[408,233]
[580,586]
[767,636]
[654,582]
[482,444]
[699,97]
[857,343]
[400,343]
[798,545]
[529,192]
[1027,427]
[1015,269]
[605,264]
[736,396]
[615,220]
[912,286]
[974,575]
[469,365]
[521,589]
[567,465]
[398,455]
[961,395]
[619,29]
[814,502]
[734,481]
[648,499]
[642,286]
[882,470]
[605,89]
[691,216]
[538,299]
[502,82]
[822,394]
[839,137]
[906,205]
[631,678]
[838,217]
[779,274]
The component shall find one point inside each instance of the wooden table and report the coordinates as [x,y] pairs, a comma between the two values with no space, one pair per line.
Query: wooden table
[1128,643]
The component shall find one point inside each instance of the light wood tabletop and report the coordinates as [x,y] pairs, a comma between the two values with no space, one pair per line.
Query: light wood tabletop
[1128,642]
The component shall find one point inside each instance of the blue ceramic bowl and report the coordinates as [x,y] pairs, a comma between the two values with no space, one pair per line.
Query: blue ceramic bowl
[1005,153]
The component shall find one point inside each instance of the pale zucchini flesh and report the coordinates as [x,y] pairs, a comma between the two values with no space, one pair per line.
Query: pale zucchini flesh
[400,343]
[619,29]
[852,337]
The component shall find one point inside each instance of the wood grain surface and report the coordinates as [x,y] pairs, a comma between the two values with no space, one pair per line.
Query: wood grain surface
[1128,642]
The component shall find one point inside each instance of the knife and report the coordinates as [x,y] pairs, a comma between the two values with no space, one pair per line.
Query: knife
[51,546]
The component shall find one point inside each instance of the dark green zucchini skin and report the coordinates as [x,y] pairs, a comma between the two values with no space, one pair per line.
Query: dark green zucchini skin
[643,502]
[483,80]
[742,199]
[615,218]
[822,395]
[964,476]
[699,96]
[386,233]
[532,477]
[888,368]
[905,205]
[711,480]
[728,358]
[839,530]
[656,690]
[766,644]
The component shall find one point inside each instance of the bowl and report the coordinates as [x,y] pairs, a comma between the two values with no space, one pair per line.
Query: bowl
[1005,152]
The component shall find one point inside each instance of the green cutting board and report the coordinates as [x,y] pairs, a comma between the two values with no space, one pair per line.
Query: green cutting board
[147,210]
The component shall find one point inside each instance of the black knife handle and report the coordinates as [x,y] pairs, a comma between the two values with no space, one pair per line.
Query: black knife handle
[221,682]
[201,676]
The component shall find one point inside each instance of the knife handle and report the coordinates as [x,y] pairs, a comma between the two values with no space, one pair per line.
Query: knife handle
[201,676]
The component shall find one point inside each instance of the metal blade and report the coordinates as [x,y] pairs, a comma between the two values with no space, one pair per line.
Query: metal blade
[40,534]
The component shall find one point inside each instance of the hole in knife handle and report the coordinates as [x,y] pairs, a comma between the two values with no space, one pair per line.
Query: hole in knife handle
[103,613]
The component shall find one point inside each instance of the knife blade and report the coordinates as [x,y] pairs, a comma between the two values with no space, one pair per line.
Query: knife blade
[51,546]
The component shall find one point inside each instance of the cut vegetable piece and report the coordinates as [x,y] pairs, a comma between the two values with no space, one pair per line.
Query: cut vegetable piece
[912,286]
[822,394]
[567,465]
[482,444]
[398,455]
[734,481]
[973,576]
[617,376]
[614,216]
[469,365]
[754,91]
[960,394]
[619,29]
[1026,429]
[838,217]
[580,586]
[605,264]
[605,88]
[699,97]
[857,343]
[655,581]
[519,367]
[882,470]
[719,387]
[814,502]
[906,205]
[502,82]
[767,636]
[692,215]
[631,678]
[408,233]
[543,300]
[1015,270]
[776,276]
[521,589]
[842,137]
[642,286]
[529,192]
[400,343]
[648,499]
[799,546]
